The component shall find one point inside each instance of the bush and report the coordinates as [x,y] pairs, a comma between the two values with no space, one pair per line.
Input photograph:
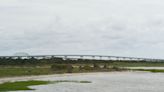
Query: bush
[58,67]
[80,68]
[87,67]
[96,66]
[105,66]
[69,68]
[116,68]
[62,67]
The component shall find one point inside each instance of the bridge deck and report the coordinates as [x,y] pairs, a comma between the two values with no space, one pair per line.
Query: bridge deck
[95,57]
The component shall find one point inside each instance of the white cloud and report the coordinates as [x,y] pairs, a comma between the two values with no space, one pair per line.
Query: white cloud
[111,27]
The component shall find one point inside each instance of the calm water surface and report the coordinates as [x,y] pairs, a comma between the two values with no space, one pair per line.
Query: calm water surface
[106,82]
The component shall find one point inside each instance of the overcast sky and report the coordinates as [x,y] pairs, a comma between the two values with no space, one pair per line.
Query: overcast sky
[104,27]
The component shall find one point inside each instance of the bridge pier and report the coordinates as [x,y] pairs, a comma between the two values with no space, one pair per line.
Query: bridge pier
[65,57]
[81,57]
[109,58]
[93,57]
[100,57]
[117,58]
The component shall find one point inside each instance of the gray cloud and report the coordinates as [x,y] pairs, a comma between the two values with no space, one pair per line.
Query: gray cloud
[110,27]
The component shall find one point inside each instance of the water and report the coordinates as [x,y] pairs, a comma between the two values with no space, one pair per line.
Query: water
[106,82]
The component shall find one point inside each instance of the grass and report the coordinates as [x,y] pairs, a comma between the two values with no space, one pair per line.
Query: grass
[85,82]
[150,70]
[74,81]
[137,64]
[21,85]
[24,85]
[20,71]
[11,71]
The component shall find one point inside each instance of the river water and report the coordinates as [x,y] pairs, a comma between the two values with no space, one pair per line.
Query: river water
[106,82]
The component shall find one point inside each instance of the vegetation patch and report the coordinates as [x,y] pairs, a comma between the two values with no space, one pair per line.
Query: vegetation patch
[25,67]
[22,71]
[62,68]
[151,70]
[24,85]
[20,85]
[74,81]
[85,81]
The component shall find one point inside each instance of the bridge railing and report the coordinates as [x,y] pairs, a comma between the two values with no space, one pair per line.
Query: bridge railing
[92,57]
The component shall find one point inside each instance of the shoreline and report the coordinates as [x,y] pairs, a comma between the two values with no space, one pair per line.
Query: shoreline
[38,77]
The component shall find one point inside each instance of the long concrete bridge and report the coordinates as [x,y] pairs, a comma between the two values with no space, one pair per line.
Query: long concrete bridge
[92,57]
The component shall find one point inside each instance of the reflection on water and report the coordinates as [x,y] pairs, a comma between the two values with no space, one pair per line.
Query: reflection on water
[107,82]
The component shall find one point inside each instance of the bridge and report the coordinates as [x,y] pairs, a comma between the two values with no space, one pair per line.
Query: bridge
[90,57]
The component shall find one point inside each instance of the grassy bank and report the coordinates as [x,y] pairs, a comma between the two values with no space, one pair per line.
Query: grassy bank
[24,85]
[21,85]
[26,70]
[150,70]
[10,71]
[137,64]
[21,71]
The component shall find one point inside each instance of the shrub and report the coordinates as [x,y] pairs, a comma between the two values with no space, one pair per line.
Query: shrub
[58,67]
[116,68]
[87,67]
[105,66]
[96,66]
[80,68]
[69,68]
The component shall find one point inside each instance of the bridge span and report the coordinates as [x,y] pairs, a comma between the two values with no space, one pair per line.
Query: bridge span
[91,57]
